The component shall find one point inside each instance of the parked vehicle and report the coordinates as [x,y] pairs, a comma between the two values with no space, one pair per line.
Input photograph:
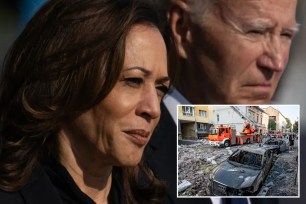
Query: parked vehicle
[275,134]
[276,145]
[226,135]
[243,173]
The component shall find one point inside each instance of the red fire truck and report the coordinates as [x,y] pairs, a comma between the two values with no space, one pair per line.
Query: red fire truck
[225,135]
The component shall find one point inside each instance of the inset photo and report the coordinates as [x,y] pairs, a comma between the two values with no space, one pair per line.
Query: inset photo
[235,151]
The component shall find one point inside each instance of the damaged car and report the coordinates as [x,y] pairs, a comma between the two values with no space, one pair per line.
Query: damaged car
[275,145]
[243,173]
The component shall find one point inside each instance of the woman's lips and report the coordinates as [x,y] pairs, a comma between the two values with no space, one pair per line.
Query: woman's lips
[138,136]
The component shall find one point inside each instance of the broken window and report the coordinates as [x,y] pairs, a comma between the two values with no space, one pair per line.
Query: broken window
[248,158]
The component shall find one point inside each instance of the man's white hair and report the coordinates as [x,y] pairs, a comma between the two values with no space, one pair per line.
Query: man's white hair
[199,8]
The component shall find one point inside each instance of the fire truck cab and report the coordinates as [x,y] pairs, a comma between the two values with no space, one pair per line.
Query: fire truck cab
[224,135]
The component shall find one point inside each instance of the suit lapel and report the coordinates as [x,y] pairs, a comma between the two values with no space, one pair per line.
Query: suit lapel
[40,189]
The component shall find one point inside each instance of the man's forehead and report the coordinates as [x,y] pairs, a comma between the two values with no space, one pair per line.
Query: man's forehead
[260,13]
[257,6]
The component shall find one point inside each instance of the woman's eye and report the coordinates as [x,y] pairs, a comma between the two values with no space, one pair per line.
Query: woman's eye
[162,89]
[133,81]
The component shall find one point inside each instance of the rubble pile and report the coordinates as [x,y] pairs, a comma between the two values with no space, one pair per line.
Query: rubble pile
[282,179]
[196,161]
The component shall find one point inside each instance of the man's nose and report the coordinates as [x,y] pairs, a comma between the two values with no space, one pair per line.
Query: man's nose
[275,55]
[149,104]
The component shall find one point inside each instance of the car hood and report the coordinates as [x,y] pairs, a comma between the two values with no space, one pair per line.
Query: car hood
[235,176]
[270,146]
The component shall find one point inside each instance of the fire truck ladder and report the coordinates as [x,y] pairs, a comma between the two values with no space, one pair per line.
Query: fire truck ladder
[250,121]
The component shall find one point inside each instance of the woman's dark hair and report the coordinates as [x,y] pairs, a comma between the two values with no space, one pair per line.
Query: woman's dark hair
[67,59]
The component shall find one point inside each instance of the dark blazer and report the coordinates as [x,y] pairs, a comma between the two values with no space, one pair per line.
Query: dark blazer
[161,156]
[39,190]
[47,186]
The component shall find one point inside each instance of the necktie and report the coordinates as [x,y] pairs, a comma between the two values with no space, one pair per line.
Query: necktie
[234,201]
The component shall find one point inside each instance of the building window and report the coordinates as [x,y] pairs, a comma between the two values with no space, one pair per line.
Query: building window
[202,113]
[201,126]
[272,118]
[218,118]
[188,110]
[251,115]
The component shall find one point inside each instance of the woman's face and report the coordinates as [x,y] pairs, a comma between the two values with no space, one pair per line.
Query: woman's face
[116,131]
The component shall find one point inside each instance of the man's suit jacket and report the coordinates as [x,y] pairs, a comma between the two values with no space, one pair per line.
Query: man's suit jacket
[161,156]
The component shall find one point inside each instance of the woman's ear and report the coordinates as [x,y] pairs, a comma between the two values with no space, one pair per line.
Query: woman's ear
[179,21]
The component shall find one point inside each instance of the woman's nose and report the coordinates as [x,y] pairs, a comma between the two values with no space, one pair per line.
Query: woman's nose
[149,104]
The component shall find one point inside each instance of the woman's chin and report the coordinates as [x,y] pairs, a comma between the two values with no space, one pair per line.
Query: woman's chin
[129,160]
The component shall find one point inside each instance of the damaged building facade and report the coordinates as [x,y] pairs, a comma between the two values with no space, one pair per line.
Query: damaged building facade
[236,115]
[193,121]
[278,117]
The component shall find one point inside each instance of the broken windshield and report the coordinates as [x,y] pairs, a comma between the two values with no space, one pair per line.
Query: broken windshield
[247,158]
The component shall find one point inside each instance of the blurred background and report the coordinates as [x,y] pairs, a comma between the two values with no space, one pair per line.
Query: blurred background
[292,89]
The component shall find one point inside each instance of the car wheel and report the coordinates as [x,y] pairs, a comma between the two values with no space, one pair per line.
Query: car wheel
[226,144]
[248,141]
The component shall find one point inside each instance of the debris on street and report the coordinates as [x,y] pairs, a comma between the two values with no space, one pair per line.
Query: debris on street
[197,160]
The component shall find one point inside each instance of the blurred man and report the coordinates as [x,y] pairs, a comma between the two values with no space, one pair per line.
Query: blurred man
[231,51]
[226,51]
